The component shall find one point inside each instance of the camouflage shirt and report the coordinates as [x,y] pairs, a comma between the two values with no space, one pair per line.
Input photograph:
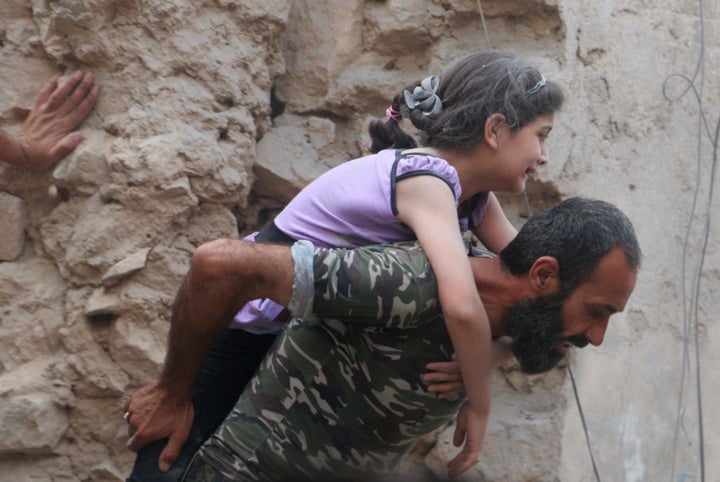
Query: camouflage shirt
[340,396]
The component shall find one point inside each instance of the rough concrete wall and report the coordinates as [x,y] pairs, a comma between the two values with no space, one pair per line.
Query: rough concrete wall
[213,114]
[630,145]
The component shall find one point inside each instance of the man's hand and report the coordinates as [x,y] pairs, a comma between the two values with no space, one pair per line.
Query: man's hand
[154,414]
[444,378]
[470,429]
[48,133]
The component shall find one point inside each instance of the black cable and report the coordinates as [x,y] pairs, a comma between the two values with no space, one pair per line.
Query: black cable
[584,425]
[572,381]
[691,312]
[706,236]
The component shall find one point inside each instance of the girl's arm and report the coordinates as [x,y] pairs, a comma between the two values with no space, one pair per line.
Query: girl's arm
[495,232]
[427,206]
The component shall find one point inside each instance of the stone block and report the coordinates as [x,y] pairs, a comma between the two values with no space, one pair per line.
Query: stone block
[31,424]
[12,226]
[126,267]
[287,159]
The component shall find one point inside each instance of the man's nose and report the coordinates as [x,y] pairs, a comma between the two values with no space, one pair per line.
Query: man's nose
[596,333]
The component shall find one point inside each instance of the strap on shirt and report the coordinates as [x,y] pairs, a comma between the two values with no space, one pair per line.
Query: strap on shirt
[271,233]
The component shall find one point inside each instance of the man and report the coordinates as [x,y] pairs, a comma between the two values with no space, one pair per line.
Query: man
[48,133]
[341,393]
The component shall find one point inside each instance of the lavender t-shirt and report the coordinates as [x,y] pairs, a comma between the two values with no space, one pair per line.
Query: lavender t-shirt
[351,205]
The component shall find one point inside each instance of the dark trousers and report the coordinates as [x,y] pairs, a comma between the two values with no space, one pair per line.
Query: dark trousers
[228,367]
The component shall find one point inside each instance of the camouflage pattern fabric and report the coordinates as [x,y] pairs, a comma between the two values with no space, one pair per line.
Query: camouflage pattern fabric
[198,470]
[340,395]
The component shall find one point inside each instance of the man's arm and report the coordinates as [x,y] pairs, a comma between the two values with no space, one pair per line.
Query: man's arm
[48,133]
[224,275]
[10,150]
[390,286]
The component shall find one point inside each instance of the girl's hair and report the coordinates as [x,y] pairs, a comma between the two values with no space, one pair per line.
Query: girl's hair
[477,86]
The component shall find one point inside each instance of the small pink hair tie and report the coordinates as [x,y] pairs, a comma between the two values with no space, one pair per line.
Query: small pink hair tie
[393,114]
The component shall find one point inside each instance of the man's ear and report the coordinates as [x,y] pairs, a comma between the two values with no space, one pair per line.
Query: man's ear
[545,275]
[492,125]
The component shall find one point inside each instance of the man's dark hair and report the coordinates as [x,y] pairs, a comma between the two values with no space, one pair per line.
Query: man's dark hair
[578,232]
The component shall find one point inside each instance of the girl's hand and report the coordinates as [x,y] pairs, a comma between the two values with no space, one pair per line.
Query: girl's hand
[470,433]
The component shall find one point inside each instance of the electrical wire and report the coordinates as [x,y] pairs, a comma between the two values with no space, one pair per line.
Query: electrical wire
[574,385]
[584,425]
[485,29]
[691,306]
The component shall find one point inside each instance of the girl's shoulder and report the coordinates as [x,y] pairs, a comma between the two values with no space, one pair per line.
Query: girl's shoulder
[409,161]
[415,164]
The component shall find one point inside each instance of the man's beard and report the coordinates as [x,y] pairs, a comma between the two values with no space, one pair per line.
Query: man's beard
[535,327]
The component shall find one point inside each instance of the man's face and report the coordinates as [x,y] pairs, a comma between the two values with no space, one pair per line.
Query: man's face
[543,329]
[588,309]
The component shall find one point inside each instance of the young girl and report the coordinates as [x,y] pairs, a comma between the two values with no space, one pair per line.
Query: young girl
[484,123]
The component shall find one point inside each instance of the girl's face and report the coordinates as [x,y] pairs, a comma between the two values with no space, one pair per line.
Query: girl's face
[519,152]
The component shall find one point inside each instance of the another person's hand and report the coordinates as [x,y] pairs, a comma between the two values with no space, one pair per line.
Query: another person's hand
[152,413]
[48,133]
[470,433]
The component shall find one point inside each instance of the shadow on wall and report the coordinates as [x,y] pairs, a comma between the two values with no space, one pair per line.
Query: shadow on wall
[540,196]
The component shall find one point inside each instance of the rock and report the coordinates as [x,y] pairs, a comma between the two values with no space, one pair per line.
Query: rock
[31,424]
[33,418]
[126,267]
[287,159]
[86,169]
[103,303]
[12,226]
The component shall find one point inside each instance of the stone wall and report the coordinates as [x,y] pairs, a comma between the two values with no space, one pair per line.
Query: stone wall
[215,113]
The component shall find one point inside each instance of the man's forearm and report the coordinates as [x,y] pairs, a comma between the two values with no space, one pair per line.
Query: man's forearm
[189,340]
[203,308]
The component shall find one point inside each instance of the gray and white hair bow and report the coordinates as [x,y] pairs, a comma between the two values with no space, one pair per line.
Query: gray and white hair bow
[425,98]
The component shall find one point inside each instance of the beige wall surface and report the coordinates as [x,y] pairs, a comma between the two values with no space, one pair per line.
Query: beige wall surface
[214,113]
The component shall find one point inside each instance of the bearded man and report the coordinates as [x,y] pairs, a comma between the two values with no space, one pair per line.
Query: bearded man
[343,392]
